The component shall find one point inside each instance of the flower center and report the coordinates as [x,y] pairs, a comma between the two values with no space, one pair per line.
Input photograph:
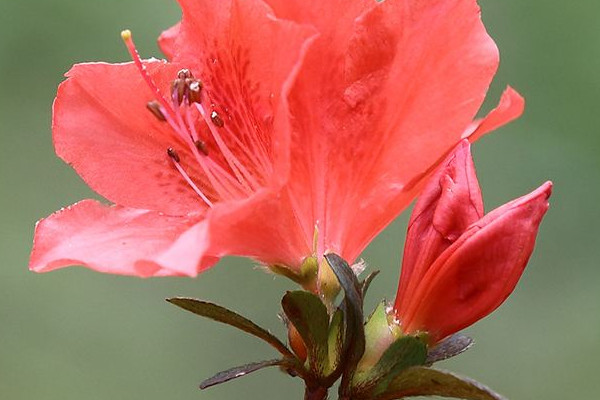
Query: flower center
[225,177]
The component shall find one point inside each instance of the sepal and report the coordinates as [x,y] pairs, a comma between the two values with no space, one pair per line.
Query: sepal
[449,347]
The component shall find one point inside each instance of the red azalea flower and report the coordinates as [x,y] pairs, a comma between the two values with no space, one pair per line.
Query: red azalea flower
[458,264]
[278,130]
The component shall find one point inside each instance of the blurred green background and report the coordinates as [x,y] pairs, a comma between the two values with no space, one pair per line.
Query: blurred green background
[77,334]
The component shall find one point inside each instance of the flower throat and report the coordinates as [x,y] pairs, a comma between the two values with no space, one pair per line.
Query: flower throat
[181,111]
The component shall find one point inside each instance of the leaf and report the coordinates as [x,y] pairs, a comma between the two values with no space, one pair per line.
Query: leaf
[408,351]
[238,372]
[450,347]
[309,316]
[424,381]
[367,282]
[222,314]
[354,341]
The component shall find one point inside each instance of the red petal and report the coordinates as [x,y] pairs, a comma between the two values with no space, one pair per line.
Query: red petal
[102,128]
[450,202]
[262,227]
[480,270]
[511,107]
[119,240]
[376,109]
[327,16]
[166,40]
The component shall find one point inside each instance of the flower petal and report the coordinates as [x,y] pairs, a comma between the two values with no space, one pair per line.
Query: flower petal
[166,40]
[262,227]
[119,240]
[332,16]
[480,270]
[511,107]
[102,128]
[450,202]
[403,85]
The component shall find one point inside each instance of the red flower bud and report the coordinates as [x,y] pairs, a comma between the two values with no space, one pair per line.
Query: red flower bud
[459,266]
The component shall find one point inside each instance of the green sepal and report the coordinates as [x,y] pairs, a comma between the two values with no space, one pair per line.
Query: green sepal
[309,316]
[424,381]
[408,351]
[222,314]
[352,306]
[238,372]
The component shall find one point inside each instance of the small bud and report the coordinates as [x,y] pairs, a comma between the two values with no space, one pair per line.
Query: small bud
[296,342]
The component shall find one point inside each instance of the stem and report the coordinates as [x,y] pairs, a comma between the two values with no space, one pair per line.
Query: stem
[318,393]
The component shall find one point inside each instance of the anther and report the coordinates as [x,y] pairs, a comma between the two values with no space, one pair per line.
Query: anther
[184,74]
[173,154]
[201,146]
[178,89]
[216,119]
[194,88]
[154,108]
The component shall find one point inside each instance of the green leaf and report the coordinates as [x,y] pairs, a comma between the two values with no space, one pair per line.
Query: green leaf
[408,351]
[423,381]
[450,347]
[238,372]
[367,282]
[354,340]
[221,314]
[309,316]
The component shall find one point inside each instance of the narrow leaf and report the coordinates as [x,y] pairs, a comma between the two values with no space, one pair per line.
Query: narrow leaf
[238,372]
[354,341]
[309,316]
[222,314]
[423,381]
[450,347]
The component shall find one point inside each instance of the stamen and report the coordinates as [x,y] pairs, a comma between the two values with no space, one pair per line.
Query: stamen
[195,88]
[237,167]
[216,119]
[201,146]
[154,107]
[173,154]
[176,161]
